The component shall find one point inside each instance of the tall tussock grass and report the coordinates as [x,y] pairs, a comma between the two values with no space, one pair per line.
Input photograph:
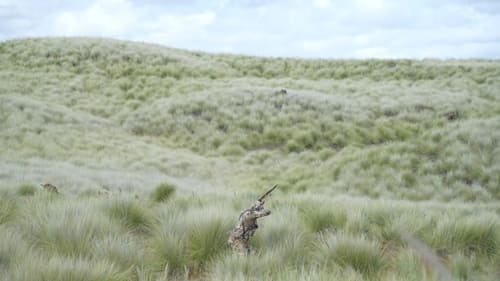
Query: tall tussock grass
[262,266]
[66,228]
[205,242]
[13,249]
[7,209]
[409,266]
[188,247]
[56,268]
[359,253]
[285,237]
[471,236]
[420,138]
[124,238]
[131,214]
[167,253]
[321,218]
[124,250]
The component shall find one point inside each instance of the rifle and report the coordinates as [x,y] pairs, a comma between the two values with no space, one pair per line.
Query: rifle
[267,193]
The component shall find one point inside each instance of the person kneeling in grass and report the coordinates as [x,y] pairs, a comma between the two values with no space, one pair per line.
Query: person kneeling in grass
[246,227]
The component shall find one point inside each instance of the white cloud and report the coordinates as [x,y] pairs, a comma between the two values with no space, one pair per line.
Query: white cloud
[307,28]
[371,5]
[176,29]
[316,45]
[127,20]
[321,3]
[373,52]
[102,18]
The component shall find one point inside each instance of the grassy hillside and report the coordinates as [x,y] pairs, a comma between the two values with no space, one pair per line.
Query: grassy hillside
[381,145]
[374,128]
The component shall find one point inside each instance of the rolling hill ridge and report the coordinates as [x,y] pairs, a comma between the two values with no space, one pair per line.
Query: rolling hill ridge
[376,128]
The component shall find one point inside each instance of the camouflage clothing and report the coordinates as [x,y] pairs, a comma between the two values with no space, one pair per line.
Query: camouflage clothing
[246,227]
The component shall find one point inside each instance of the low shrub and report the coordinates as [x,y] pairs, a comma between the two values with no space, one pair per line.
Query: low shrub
[26,190]
[163,192]
[132,215]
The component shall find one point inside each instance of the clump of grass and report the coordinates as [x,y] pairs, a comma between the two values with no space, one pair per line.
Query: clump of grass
[292,146]
[318,273]
[273,235]
[282,235]
[322,218]
[167,252]
[471,236]
[7,209]
[187,242]
[205,242]
[462,267]
[26,190]
[35,268]
[294,249]
[120,248]
[253,267]
[13,248]
[131,215]
[65,228]
[408,266]
[232,150]
[379,223]
[163,192]
[359,253]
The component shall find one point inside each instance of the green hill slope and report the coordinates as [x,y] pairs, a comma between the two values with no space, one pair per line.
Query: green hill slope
[156,151]
[403,129]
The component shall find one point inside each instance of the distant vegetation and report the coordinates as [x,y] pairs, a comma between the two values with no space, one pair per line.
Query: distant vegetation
[163,192]
[376,128]
[361,149]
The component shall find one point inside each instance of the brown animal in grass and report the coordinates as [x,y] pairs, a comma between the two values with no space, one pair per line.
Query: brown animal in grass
[451,115]
[49,188]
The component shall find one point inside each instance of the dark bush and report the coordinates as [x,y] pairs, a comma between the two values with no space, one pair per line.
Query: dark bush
[162,192]
[26,190]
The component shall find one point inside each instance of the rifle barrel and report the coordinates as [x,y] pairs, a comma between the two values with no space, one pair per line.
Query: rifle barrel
[267,193]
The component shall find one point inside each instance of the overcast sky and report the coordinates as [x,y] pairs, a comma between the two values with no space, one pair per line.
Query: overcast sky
[296,28]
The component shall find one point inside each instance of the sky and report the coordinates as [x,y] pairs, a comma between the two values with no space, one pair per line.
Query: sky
[296,28]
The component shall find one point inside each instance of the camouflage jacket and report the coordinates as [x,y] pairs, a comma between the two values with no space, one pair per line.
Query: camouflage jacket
[246,227]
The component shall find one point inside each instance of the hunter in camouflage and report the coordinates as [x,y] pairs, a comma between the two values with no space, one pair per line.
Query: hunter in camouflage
[247,225]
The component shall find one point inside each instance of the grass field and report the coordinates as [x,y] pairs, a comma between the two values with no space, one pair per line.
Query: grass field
[155,151]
